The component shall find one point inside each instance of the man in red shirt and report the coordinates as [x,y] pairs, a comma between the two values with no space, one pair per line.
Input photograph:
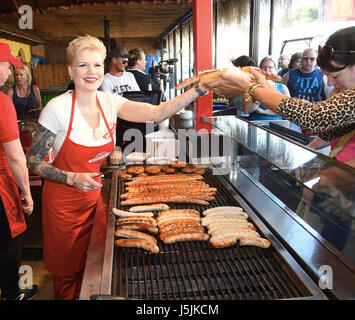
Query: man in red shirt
[13,176]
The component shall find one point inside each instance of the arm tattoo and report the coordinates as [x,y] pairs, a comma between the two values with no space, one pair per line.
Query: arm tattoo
[41,143]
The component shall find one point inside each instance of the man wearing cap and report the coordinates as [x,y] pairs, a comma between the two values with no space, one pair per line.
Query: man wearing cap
[13,176]
[118,80]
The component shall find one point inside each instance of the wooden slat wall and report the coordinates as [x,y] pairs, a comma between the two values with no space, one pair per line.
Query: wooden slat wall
[49,75]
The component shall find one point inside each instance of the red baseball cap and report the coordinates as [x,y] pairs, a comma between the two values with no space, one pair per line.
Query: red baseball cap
[6,55]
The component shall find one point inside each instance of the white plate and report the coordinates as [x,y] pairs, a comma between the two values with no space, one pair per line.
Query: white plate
[160,160]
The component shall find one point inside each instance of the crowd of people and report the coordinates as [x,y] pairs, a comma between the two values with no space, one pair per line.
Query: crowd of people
[82,122]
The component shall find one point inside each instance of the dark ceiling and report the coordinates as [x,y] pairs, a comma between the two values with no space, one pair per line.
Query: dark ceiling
[61,21]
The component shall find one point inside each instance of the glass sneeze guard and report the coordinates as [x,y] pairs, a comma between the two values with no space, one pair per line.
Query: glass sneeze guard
[320,190]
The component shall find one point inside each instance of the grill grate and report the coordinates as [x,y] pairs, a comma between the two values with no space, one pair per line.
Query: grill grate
[197,271]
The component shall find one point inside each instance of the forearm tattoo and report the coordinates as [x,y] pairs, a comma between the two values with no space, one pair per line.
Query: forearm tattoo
[41,143]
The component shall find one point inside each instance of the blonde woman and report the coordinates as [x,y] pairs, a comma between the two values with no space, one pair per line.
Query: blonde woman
[80,125]
[25,96]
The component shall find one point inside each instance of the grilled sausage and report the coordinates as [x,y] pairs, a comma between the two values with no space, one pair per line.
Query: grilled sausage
[180,216]
[122,213]
[254,241]
[228,227]
[208,222]
[136,219]
[134,234]
[227,209]
[223,243]
[140,227]
[226,214]
[186,236]
[167,199]
[150,207]
[138,243]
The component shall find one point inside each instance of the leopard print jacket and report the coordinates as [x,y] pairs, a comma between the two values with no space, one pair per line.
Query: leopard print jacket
[328,119]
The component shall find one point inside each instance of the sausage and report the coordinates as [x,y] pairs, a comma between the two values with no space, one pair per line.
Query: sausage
[177,217]
[150,207]
[223,243]
[140,227]
[138,243]
[137,219]
[238,233]
[134,234]
[226,227]
[167,199]
[178,224]
[224,214]
[226,217]
[122,213]
[254,241]
[179,211]
[198,229]
[205,195]
[207,223]
[227,209]
[186,236]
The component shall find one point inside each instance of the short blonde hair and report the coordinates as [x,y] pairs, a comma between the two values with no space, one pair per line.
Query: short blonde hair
[26,70]
[85,43]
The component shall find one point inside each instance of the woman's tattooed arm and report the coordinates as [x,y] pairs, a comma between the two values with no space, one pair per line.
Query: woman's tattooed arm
[41,143]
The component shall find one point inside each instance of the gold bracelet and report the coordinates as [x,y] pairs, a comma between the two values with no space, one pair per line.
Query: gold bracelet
[248,94]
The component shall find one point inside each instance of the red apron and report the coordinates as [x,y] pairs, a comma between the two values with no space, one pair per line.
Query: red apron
[12,203]
[67,213]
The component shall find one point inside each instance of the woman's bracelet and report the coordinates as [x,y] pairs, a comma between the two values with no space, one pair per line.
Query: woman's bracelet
[74,180]
[248,94]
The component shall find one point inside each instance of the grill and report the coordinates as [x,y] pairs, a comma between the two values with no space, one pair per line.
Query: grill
[197,271]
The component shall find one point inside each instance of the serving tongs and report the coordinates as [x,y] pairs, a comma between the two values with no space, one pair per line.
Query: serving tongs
[110,170]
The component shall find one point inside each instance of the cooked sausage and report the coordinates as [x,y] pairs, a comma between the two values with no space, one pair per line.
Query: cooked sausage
[167,199]
[137,219]
[138,243]
[223,243]
[177,217]
[122,213]
[222,208]
[186,236]
[150,207]
[224,214]
[237,234]
[134,234]
[198,229]
[216,228]
[140,227]
[254,241]
[178,224]
[209,222]
[178,212]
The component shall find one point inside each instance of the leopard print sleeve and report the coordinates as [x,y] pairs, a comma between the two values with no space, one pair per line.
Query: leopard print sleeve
[328,119]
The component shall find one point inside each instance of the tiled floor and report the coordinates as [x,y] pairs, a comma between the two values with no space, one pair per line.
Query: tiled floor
[42,278]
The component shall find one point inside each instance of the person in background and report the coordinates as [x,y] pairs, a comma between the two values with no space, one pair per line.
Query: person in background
[284,61]
[306,82]
[295,61]
[25,96]
[244,61]
[237,101]
[136,65]
[258,111]
[13,176]
[328,119]
[154,75]
[80,125]
[118,80]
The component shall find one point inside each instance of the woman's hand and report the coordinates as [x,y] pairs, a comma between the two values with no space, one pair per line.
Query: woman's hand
[115,157]
[85,181]
[231,83]
[27,203]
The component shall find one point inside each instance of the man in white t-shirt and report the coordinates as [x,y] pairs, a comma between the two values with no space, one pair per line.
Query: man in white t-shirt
[118,80]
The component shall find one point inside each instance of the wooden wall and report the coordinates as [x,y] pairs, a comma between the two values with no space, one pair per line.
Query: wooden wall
[49,75]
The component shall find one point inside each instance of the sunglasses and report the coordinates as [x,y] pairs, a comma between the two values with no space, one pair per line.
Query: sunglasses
[328,51]
[124,62]
[307,58]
